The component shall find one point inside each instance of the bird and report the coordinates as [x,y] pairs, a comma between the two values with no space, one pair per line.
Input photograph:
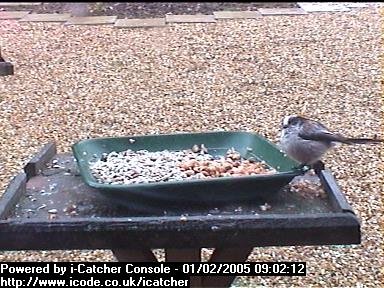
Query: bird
[306,140]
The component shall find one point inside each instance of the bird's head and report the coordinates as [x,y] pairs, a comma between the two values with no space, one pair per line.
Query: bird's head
[292,120]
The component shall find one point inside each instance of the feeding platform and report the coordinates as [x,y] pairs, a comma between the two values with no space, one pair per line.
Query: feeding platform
[6,68]
[49,206]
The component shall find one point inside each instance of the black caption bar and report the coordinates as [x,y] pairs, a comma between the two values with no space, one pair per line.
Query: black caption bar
[137,274]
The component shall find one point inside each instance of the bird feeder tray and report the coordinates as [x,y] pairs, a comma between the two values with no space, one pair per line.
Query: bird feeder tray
[191,193]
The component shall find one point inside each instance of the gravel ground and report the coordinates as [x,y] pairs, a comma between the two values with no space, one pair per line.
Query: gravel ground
[89,81]
[147,9]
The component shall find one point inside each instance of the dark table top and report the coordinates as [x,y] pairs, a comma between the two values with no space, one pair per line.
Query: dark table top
[54,209]
[62,189]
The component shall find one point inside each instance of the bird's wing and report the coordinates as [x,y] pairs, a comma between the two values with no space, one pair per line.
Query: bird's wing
[318,132]
[324,136]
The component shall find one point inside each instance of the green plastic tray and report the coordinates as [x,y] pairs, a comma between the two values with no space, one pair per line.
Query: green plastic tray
[201,192]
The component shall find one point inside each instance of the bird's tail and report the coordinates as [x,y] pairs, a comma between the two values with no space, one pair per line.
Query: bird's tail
[362,141]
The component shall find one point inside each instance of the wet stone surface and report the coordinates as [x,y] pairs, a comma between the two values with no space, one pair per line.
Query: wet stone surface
[60,193]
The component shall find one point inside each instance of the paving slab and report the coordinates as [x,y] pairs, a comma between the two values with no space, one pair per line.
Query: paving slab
[140,23]
[91,20]
[19,4]
[281,11]
[190,18]
[46,17]
[323,6]
[356,5]
[236,14]
[6,15]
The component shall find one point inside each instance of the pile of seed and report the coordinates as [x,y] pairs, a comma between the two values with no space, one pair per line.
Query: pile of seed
[142,166]
[307,189]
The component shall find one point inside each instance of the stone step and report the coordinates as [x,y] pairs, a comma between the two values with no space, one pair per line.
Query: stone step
[13,4]
[282,11]
[140,23]
[7,15]
[190,18]
[91,20]
[323,7]
[236,14]
[46,18]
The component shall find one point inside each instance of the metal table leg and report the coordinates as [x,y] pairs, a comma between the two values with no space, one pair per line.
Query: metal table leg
[128,255]
[226,255]
[190,255]
[186,255]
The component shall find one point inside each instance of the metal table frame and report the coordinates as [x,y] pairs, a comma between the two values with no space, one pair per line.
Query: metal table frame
[131,239]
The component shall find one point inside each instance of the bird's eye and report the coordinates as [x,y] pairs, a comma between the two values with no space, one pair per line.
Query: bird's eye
[293,120]
[290,120]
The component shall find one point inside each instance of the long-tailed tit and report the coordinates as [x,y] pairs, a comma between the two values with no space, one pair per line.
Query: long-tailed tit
[306,141]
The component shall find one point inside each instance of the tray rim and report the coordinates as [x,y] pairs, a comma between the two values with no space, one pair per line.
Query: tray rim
[88,178]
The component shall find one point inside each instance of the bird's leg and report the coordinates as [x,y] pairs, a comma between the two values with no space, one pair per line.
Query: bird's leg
[318,166]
